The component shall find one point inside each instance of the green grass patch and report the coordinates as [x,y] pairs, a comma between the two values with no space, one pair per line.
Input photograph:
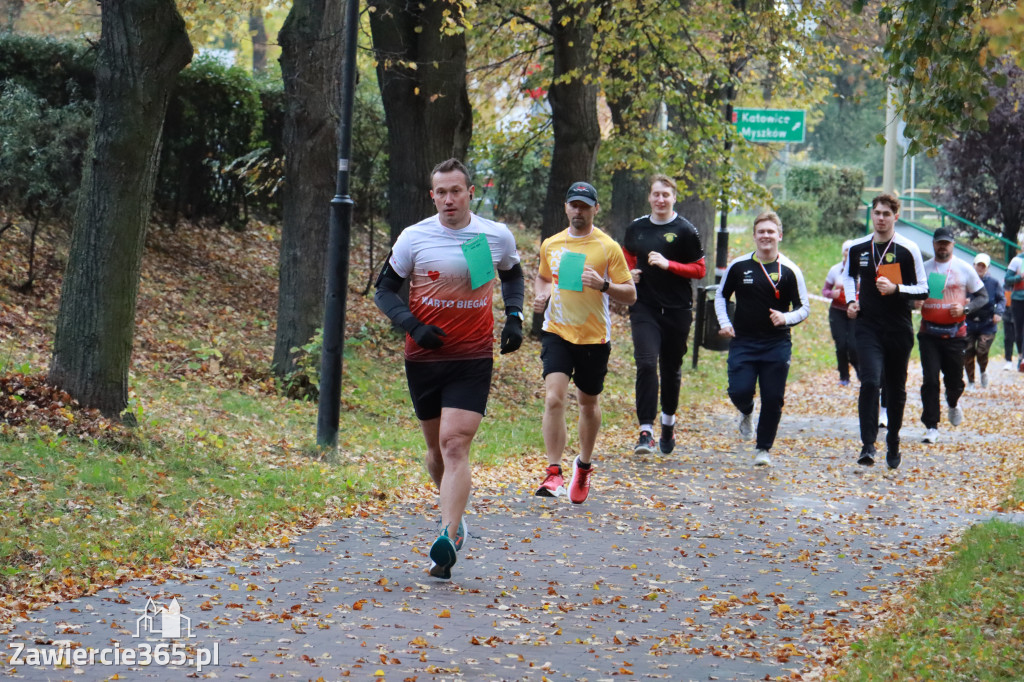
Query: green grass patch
[965,624]
[229,466]
[1015,497]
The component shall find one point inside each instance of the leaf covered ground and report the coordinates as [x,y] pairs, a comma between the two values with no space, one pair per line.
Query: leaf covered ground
[222,461]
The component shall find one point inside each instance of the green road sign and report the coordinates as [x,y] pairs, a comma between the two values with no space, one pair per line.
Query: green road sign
[770,125]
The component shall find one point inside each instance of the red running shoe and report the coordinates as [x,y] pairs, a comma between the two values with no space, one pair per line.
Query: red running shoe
[554,484]
[579,484]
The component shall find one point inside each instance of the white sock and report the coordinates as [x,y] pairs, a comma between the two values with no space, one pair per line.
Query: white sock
[668,419]
[647,427]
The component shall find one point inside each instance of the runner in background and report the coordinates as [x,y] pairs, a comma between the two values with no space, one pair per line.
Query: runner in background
[954,292]
[839,323]
[983,324]
[664,253]
[1015,280]
[581,270]
[771,297]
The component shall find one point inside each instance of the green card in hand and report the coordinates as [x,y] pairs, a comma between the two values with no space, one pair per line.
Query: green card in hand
[936,284]
[478,258]
[570,271]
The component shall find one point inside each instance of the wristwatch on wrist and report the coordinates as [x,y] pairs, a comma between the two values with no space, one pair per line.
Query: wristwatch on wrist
[604,287]
[516,313]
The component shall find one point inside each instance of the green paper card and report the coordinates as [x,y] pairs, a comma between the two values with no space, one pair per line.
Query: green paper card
[478,258]
[570,271]
[936,284]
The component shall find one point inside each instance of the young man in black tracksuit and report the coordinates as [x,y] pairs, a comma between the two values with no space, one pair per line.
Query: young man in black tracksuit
[771,297]
[892,277]
[664,254]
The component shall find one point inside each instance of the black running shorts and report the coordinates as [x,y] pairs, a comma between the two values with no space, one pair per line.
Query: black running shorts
[461,384]
[586,364]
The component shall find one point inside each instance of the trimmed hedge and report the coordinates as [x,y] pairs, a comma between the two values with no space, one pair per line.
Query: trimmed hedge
[59,72]
[216,115]
[42,148]
[223,149]
[836,191]
[799,218]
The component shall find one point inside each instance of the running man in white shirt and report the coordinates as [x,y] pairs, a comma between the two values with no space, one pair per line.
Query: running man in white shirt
[942,338]
[449,260]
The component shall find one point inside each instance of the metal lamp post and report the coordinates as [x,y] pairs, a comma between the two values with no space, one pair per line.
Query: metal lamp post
[329,406]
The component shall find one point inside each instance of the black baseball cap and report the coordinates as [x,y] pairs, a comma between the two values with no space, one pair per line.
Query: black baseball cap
[582,191]
[943,234]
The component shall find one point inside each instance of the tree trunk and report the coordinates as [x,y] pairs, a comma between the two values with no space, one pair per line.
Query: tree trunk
[629,202]
[701,212]
[625,92]
[422,76]
[629,188]
[573,100]
[698,201]
[143,45]
[311,52]
[11,9]
[258,33]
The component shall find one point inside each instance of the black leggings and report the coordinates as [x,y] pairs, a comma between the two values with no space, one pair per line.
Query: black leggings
[884,354]
[1018,323]
[1009,334]
[843,330]
[659,344]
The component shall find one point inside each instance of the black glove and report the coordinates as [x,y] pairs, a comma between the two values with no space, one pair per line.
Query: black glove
[427,336]
[512,334]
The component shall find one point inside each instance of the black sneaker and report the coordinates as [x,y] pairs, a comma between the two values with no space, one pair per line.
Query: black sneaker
[645,444]
[893,459]
[443,556]
[667,442]
[867,456]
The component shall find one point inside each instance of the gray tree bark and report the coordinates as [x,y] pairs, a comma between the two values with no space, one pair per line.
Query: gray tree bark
[573,101]
[312,42]
[629,188]
[258,33]
[422,76]
[143,45]
[629,202]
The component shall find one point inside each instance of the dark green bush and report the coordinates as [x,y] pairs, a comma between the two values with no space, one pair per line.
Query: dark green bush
[836,192]
[59,72]
[222,153]
[41,152]
[369,153]
[272,101]
[799,218]
[511,174]
[215,116]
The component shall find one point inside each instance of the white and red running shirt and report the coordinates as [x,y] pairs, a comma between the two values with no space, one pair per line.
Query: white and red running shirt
[430,256]
[958,279]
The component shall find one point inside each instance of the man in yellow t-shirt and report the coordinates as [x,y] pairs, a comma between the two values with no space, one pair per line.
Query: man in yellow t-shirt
[581,269]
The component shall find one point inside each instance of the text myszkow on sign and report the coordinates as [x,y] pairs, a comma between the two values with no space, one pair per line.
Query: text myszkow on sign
[770,125]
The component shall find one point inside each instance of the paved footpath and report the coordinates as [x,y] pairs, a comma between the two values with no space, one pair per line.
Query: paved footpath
[688,566]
